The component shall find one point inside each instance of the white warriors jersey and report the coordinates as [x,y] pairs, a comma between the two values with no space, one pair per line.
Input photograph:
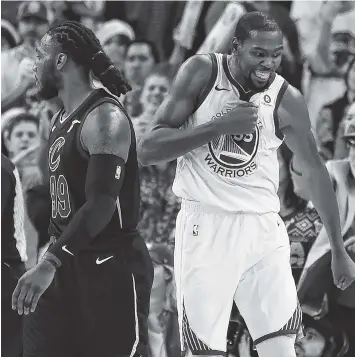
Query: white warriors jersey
[237,173]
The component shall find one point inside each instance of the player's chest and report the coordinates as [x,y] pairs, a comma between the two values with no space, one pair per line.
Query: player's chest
[63,143]
[220,103]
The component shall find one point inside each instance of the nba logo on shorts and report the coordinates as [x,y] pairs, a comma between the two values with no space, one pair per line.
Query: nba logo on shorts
[118,173]
[195,230]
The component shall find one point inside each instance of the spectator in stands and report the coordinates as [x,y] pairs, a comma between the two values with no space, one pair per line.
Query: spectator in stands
[331,116]
[321,339]
[9,36]
[316,279]
[21,136]
[159,205]
[16,77]
[87,12]
[331,55]
[115,37]
[162,320]
[341,147]
[156,87]
[141,57]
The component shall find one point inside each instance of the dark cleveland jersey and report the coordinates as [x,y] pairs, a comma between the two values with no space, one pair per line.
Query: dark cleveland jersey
[68,163]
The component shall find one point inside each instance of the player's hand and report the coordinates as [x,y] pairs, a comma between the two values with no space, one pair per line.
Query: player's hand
[241,118]
[31,286]
[350,245]
[343,268]
[244,344]
[26,70]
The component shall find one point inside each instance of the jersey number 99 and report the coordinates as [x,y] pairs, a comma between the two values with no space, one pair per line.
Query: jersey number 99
[60,197]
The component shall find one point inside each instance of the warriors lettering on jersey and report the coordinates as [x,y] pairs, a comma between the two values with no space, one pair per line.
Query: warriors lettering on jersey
[234,155]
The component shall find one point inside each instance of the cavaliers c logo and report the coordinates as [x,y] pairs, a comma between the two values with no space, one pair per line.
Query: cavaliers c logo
[54,156]
[235,151]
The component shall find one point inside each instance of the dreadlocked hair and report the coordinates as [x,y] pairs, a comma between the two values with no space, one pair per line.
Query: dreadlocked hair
[81,44]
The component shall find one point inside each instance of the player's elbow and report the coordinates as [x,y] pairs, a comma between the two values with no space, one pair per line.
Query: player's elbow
[142,154]
[146,152]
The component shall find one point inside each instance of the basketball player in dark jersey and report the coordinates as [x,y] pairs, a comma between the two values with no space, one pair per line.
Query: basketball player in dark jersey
[13,256]
[96,276]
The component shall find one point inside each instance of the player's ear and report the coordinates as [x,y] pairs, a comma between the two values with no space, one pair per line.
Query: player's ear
[61,60]
[235,44]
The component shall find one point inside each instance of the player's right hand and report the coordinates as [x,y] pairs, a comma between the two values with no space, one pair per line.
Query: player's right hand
[241,118]
[26,72]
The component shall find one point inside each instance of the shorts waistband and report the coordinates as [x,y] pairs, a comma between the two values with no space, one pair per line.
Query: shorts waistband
[123,238]
[198,207]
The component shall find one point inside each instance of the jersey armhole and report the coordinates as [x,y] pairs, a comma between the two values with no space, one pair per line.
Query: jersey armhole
[205,91]
[84,154]
[280,95]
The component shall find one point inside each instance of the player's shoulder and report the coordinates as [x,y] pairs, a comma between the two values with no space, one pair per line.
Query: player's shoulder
[199,62]
[109,123]
[292,95]
[293,110]
[193,75]
[292,99]
[107,115]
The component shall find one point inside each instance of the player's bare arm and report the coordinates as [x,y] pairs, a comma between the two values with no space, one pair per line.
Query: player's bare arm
[167,139]
[295,125]
[164,141]
[112,132]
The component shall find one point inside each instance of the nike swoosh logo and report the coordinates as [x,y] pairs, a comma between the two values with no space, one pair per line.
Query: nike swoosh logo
[98,261]
[66,250]
[72,124]
[219,89]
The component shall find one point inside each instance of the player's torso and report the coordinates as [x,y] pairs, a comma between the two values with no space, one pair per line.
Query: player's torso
[68,163]
[237,173]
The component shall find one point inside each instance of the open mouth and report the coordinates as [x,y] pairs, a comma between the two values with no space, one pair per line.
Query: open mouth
[299,350]
[262,75]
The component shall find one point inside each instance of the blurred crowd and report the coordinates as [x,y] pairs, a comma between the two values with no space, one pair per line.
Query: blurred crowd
[148,41]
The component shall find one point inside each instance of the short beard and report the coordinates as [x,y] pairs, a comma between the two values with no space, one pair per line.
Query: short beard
[47,92]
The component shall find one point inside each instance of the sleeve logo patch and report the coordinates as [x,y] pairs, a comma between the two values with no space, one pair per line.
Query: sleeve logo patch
[118,173]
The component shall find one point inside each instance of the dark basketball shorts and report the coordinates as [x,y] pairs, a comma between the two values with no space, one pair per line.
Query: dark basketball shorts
[97,305]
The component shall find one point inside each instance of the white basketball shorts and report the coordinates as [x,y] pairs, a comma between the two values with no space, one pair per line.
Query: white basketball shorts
[221,257]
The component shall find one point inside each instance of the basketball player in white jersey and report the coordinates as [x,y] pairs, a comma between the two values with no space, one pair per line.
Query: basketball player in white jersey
[224,120]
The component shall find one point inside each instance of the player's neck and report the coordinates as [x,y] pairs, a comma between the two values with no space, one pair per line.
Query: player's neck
[236,72]
[74,93]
